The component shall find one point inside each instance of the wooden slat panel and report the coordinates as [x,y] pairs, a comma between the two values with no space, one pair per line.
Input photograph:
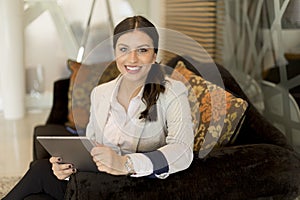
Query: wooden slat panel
[193,9]
[196,34]
[196,19]
[199,2]
[203,42]
[168,56]
[192,19]
[220,31]
[192,50]
[201,29]
[183,24]
[192,3]
[192,14]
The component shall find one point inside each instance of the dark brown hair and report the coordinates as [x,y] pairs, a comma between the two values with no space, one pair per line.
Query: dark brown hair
[155,81]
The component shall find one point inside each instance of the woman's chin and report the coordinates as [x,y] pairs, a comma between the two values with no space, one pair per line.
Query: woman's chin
[134,77]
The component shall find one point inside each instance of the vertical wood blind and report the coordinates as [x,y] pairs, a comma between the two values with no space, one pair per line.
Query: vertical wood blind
[196,19]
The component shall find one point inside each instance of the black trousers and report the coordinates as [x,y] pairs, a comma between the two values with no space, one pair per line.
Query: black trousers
[39,179]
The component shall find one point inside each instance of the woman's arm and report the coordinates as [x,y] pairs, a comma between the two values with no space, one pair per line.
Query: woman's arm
[177,154]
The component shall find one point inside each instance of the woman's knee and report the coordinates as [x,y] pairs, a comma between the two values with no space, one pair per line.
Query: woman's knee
[41,166]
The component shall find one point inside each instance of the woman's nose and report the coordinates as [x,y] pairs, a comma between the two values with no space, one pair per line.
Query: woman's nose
[133,57]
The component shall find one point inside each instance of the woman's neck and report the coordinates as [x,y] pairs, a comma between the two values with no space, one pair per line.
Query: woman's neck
[128,90]
[130,87]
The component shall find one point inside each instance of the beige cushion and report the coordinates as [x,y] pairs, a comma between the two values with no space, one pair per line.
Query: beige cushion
[216,124]
[83,79]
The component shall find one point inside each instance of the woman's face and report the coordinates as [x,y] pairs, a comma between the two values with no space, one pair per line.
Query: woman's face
[134,55]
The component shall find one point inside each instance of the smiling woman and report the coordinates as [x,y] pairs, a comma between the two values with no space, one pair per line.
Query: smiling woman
[141,120]
[141,103]
[134,57]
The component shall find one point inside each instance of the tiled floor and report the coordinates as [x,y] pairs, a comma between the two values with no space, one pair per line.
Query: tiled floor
[16,142]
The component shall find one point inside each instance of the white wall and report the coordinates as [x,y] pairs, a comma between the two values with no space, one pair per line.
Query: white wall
[44,46]
[291,43]
[12,58]
[291,38]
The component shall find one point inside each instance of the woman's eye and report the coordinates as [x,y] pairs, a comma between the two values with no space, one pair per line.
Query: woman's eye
[142,50]
[123,49]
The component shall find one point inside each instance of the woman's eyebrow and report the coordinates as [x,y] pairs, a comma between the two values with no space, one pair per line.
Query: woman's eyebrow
[142,45]
[121,44]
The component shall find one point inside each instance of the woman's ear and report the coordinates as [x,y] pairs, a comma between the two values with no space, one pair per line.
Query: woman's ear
[154,58]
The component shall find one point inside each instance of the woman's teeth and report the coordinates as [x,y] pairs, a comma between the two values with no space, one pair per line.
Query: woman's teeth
[133,68]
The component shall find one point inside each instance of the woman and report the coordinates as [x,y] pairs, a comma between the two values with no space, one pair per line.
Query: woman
[141,120]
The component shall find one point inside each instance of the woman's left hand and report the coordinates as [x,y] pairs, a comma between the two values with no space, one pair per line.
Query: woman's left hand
[107,160]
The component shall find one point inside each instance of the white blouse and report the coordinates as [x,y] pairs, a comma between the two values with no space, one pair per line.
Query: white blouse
[172,133]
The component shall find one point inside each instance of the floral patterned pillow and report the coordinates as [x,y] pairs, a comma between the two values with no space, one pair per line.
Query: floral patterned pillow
[83,79]
[216,113]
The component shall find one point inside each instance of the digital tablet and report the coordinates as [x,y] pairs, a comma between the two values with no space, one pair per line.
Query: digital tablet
[72,149]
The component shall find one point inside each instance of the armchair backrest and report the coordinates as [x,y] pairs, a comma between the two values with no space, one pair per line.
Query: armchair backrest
[59,111]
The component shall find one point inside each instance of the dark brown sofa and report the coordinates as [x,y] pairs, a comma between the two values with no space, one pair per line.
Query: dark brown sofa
[260,164]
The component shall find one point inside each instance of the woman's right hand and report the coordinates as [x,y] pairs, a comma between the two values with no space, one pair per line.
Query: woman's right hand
[61,171]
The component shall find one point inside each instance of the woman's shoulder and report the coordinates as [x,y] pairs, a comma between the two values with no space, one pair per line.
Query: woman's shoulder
[108,86]
[175,87]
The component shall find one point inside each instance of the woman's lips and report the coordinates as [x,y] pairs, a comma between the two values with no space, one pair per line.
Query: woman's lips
[132,69]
